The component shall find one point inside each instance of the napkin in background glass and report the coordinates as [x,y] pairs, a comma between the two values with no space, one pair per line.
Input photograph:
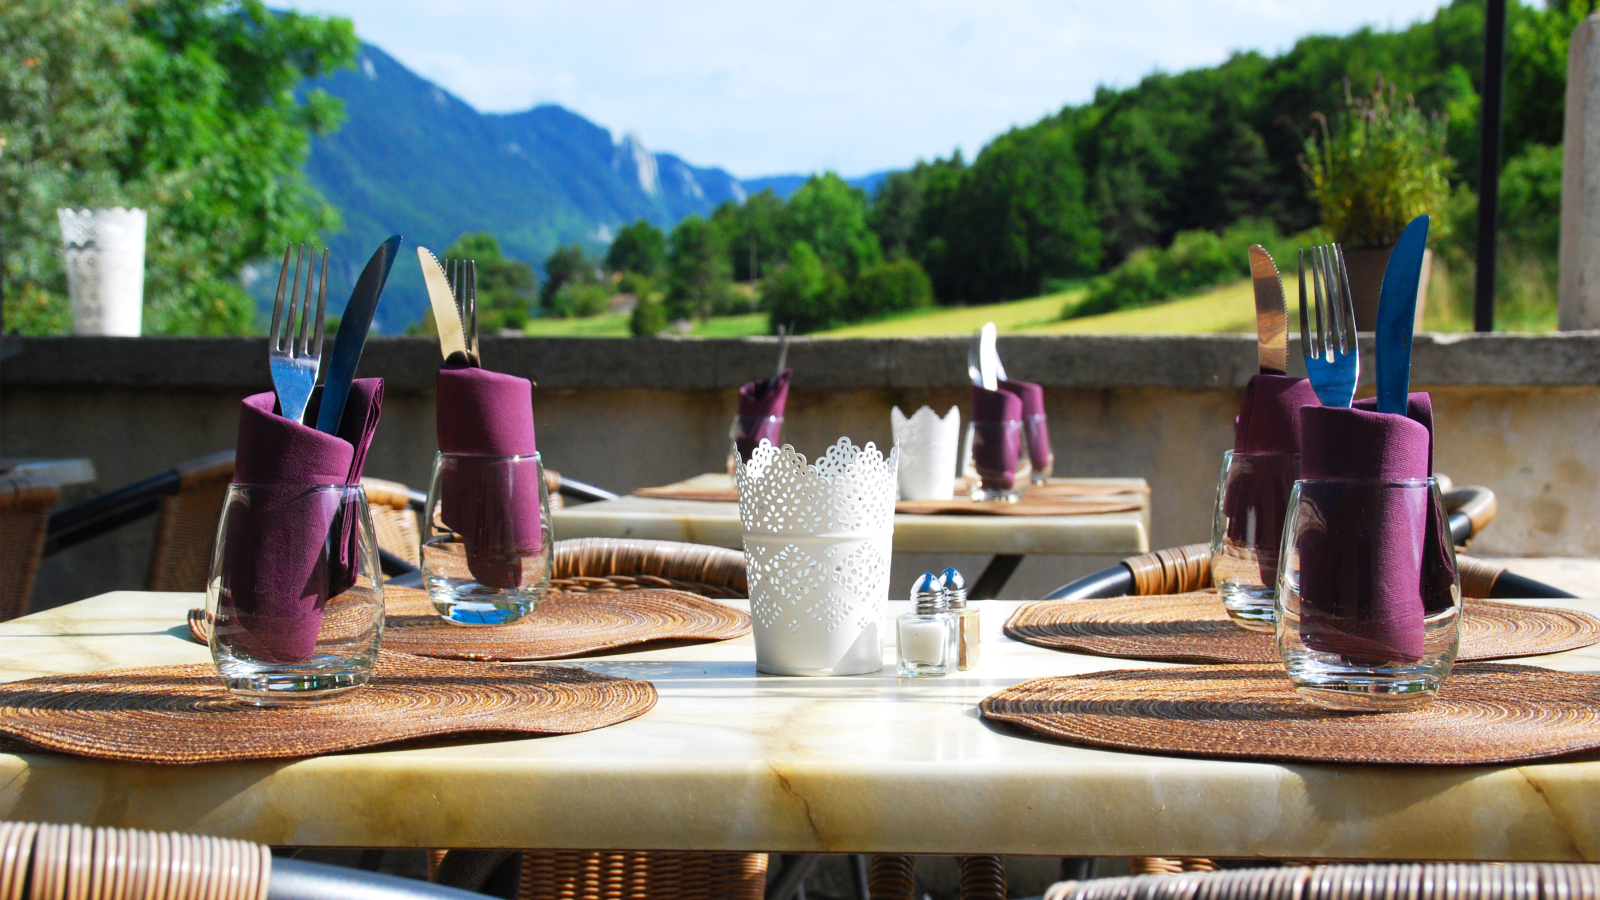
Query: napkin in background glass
[1268,423]
[995,446]
[1035,426]
[1362,544]
[760,404]
[488,414]
[288,555]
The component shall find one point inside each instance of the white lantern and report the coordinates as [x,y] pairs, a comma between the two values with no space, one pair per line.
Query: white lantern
[104,251]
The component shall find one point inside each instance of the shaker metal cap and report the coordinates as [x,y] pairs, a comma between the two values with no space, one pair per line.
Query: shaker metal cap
[928,593]
[955,588]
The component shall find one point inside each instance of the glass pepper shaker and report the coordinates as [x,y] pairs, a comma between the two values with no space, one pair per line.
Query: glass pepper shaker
[928,636]
[955,589]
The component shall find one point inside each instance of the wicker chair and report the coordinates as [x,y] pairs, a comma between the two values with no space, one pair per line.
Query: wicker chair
[1429,881]
[394,522]
[590,565]
[25,502]
[186,524]
[51,862]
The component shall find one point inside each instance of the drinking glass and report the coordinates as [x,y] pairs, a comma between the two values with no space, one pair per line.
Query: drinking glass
[487,546]
[295,597]
[999,469]
[1042,461]
[1369,599]
[745,435]
[1247,529]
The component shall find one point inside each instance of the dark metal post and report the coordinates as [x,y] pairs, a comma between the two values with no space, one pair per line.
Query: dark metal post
[1493,94]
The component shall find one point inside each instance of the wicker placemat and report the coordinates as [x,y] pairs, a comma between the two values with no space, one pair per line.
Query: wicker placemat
[564,625]
[183,714]
[1485,714]
[1194,628]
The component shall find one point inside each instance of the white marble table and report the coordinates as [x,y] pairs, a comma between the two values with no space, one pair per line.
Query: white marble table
[732,760]
[718,524]
[64,472]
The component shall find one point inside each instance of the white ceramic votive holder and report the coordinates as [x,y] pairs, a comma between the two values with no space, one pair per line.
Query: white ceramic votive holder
[104,251]
[817,545]
[928,446]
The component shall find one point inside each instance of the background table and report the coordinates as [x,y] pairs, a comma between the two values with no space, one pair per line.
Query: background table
[732,760]
[1008,538]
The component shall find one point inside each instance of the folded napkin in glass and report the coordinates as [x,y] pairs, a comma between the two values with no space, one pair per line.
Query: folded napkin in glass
[760,414]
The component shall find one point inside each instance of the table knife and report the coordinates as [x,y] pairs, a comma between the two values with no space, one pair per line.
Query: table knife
[352,336]
[783,352]
[452,339]
[1397,313]
[1272,313]
[989,369]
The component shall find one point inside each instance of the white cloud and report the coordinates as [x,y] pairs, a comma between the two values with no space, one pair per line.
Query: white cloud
[854,86]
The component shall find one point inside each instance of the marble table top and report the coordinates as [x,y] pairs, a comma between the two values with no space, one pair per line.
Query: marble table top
[734,760]
[717,524]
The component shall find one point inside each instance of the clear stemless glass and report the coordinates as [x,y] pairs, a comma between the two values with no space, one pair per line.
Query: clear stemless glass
[295,596]
[1041,459]
[487,547]
[745,435]
[1246,531]
[1369,599]
[996,467]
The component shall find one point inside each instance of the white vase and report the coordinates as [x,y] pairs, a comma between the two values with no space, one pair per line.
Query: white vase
[104,250]
[927,446]
[817,546]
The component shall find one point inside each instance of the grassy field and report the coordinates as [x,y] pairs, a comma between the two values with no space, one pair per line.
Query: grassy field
[617,326]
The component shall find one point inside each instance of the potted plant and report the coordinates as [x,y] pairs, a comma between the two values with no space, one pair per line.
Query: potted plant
[1377,165]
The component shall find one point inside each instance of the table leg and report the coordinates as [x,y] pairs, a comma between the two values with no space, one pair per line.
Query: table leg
[791,877]
[994,576]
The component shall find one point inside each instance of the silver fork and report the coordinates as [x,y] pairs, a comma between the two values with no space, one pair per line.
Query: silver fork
[294,346]
[1333,359]
[463,277]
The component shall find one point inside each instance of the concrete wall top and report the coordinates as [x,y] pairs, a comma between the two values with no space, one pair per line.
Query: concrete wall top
[1069,361]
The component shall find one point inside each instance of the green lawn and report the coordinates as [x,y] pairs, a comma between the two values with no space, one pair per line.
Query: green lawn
[611,325]
[1018,315]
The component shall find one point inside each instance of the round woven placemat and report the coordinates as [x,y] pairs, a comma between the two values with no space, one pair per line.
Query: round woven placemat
[1195,628]
[183,714]
[564,625]
[1485,714]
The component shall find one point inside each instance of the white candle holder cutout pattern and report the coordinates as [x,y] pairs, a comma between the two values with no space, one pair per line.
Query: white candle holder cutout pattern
[817,546]
[104,255]
[928,446]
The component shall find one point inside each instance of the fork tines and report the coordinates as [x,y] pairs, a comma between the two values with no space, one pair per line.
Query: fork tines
[1334,316]
[463,277]
[300,338]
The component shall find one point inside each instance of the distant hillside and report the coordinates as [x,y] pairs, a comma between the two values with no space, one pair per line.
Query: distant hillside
[784,185]
[414,159]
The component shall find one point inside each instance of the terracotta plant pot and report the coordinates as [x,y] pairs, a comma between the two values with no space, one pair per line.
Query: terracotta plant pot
[1366,267]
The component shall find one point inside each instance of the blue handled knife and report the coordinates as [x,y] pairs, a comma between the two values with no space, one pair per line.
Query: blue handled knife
[1397,314]
[352,336]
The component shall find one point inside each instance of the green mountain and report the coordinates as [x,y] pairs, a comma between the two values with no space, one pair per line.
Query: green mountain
[415,160]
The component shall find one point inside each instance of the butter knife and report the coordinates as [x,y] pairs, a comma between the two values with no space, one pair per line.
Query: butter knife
[1272,313]
[452,339]
[1397,316]
[352,336]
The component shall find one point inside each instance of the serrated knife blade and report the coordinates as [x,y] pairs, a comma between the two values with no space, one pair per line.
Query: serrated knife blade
[1272,313]
[452,339]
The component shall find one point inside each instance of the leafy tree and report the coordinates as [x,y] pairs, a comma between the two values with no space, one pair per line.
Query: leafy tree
[896,210]
[649,318]
[580,299]
[830,216]
[805,293]
[698,273]
[207,135]
[568,262]
[507,288]
[640,247]
[753,232]
[888,287]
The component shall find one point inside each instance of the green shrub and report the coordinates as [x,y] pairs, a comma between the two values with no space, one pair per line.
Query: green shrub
[649,318]
[1379,164]
[805,294]
[886,288]
[577,300]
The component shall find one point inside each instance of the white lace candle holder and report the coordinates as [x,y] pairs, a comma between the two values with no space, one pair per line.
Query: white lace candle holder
[927,445]
[104,250]
[817,544]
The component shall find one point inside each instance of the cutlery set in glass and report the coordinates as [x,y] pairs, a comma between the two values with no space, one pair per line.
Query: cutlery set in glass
[1329,526]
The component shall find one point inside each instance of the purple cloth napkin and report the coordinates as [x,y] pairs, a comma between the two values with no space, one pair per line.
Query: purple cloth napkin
[1034,425]
[760,402]
[1257,497]
[493,505]
[292,549]
[1361,544]
[996,436]
[1439,572]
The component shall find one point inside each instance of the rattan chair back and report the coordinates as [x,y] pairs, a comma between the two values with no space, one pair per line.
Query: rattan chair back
[25,502]
[186,524]
[621,564]
[56,862]
[1415,881]
[394,522]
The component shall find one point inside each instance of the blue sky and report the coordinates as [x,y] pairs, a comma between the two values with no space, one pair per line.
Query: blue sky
[859,86]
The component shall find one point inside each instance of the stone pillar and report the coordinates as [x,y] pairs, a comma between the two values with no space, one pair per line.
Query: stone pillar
[1579,289]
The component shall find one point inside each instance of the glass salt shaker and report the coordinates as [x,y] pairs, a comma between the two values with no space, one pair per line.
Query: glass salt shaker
[955,589]
[929,636]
